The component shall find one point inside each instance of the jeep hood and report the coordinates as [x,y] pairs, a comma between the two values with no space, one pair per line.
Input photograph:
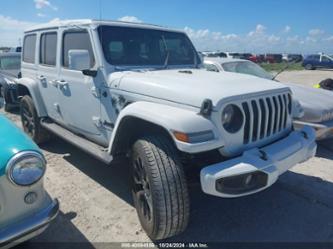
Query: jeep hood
[315,102]
[192,86]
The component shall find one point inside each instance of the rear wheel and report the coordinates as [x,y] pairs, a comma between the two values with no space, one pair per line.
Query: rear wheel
[31,121]
[159,187]
[309,67]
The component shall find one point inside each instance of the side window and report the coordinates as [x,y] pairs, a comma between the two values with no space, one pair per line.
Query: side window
[325,59]
[79,40]
[316,57]
[211,67]
[29,48]
[48,49]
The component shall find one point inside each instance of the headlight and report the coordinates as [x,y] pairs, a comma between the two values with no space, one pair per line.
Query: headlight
[232,118]
[26,168]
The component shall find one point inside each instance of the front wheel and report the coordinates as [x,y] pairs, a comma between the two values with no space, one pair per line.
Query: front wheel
[159,187]
[31,121]
[7,99]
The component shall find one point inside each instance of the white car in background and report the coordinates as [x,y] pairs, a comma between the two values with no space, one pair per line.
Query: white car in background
[316,103]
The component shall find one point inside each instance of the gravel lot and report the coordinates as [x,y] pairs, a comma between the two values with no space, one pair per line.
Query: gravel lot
[96,202]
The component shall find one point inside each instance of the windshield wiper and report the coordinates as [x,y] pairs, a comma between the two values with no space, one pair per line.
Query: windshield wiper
[285,68]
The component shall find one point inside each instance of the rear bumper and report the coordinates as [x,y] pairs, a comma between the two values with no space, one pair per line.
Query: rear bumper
[29,227]
[323,130]
[230,178]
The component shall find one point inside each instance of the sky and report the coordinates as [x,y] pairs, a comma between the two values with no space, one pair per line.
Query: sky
[256,26]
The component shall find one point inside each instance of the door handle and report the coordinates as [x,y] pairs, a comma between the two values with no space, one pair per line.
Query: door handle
[62,83]
[53,83]
[41,77]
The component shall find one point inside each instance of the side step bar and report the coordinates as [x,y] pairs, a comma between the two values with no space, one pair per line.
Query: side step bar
[91,148]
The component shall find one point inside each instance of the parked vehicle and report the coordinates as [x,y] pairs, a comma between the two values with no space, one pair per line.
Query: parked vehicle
[25,207]
[273,58]
[123,89]
[292,57]
[315,61]
[232,55]
[255,58]
[10,66]
[214,54]
[316,103]
[16,50]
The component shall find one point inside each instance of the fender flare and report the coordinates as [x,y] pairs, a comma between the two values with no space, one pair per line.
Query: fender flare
[33,89]
[170,118]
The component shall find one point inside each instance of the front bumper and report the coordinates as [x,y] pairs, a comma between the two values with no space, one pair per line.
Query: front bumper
[29,227]
[266,164]
[323,130]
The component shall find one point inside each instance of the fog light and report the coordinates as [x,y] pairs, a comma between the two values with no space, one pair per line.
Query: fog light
[30,198]
[241,184]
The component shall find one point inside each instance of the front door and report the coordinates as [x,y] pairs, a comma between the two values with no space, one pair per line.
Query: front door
[79,95]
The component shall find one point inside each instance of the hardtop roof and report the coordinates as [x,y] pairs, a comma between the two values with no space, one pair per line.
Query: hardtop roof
[89,22]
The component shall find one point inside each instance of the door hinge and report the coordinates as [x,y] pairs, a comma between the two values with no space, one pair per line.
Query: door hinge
[96,92]
[56,107]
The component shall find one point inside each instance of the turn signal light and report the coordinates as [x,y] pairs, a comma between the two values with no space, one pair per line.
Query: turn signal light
[180,136]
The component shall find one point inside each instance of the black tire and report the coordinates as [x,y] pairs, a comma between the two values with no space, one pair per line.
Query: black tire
[31,121]
[309,67]
[7,98]
[159,187]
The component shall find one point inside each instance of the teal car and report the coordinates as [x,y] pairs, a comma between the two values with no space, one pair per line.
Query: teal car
[26,209]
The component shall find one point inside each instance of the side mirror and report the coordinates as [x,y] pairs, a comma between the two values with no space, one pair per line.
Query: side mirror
[78,59]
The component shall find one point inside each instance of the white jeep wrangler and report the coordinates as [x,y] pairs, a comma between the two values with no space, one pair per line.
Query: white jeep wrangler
[115,88]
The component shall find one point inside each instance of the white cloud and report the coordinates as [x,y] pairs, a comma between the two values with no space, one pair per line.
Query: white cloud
[130,19]
[260,29]
[40,4]
[9,23]
[330,39]
[273,39]
[287,29]
[258,41]
[41,15]
[316,32]
[12,30]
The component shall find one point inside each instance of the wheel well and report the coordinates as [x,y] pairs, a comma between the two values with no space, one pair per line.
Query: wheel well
[22,90]
[132,128]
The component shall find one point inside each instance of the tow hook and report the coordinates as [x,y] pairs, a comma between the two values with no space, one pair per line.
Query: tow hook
[305,135]
[263,155]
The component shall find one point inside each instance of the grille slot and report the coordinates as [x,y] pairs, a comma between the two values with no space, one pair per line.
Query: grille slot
[265,117]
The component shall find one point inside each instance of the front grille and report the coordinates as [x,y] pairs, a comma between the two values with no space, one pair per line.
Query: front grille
[266,117]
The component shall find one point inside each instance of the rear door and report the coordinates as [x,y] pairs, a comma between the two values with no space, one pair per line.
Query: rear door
[29,56]
[48,72]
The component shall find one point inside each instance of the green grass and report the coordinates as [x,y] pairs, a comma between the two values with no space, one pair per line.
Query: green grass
[276,67]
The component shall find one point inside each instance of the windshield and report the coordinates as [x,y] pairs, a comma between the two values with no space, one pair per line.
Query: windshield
[10,63]
[246,67]
[127,46]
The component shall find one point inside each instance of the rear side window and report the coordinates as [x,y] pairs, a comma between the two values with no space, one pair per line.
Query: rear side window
[314,57]
[29,48]
[48,49]
[78,40]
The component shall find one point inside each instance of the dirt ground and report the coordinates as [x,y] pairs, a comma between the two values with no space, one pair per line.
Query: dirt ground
[96,203]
